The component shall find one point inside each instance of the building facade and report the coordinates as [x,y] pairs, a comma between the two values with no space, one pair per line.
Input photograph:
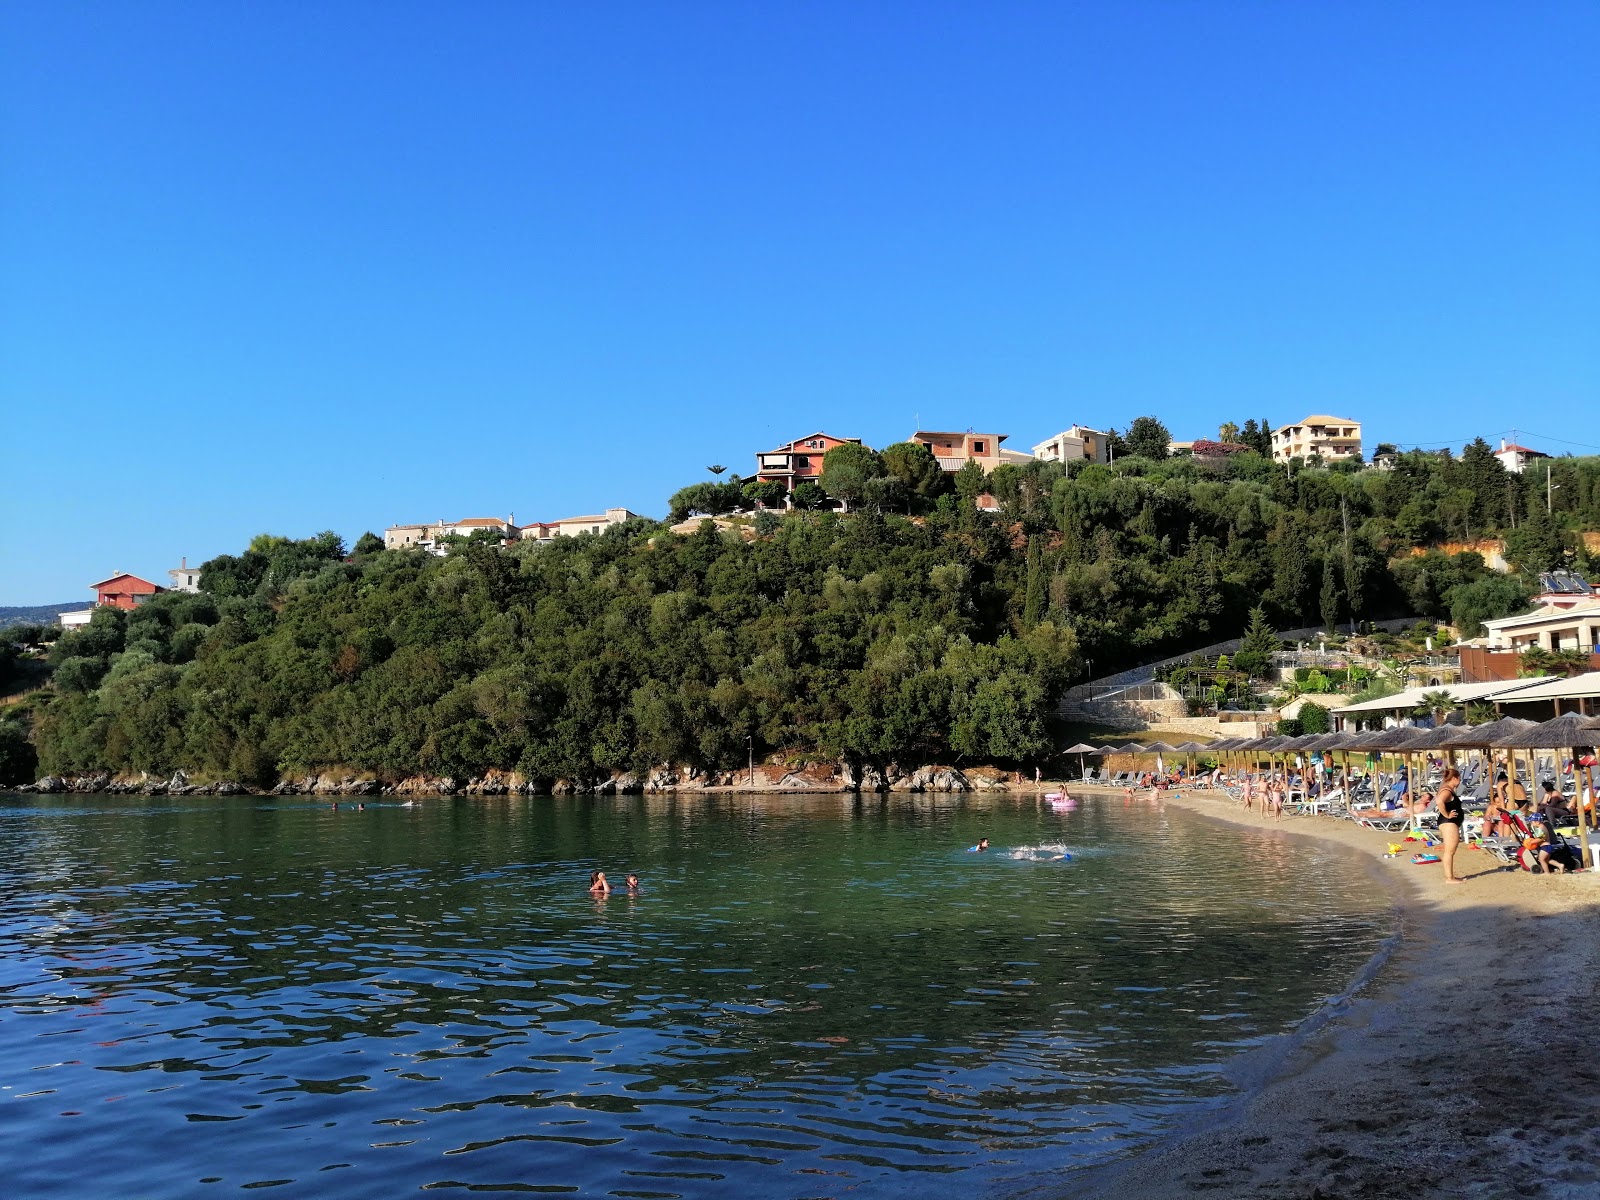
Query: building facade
[799,461]
[184,577]
[545,531]
[1516,458]
[124,591]
[953,451]
[1078,443]
[1332,439]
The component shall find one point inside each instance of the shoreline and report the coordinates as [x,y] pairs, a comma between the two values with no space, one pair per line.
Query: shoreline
[1454,1064]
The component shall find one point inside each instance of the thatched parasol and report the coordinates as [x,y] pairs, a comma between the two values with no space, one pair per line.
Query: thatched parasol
[1571,731]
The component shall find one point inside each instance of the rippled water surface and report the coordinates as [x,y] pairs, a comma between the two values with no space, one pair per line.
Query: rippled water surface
[813,996]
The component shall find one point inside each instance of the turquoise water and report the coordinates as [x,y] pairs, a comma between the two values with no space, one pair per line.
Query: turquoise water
[813,996]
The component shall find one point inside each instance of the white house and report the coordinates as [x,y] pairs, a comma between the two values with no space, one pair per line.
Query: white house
[1516,458]
[1078,442]
[184,577]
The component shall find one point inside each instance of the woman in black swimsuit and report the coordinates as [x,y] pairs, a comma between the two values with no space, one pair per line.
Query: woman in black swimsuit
[1451,816]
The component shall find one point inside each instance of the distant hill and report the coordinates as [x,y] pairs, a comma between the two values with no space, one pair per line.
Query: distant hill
[37,614]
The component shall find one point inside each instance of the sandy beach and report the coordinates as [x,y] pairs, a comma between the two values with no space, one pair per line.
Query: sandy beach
[1468,1066]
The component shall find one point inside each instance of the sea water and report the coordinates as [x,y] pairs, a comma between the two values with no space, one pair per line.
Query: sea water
[811,996]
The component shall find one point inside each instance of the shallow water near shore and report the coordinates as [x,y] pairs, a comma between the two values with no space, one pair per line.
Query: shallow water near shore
[813,995]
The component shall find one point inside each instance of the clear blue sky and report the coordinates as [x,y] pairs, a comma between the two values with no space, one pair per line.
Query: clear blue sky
[294,267]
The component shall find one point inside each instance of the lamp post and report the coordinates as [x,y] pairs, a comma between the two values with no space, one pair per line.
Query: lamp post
[1550,489]
[750,754]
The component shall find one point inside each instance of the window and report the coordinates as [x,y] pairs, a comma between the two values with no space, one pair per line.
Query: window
[977,447]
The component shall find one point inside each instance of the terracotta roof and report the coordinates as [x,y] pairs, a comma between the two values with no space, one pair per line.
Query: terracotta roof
[480,521]
[1521,450]
[124,575]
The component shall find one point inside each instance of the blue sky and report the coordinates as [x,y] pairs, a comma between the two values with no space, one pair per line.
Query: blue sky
[287,267]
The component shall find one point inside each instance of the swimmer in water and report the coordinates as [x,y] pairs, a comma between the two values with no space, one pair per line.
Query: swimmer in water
[633,883]
[598,885]
[983,844]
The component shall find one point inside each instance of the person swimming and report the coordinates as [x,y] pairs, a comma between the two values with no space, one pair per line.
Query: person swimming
[633,883]
[597,883]
[983,844]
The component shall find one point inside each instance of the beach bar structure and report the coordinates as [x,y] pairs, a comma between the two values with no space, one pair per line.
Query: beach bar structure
[1403,704]
[1554,697]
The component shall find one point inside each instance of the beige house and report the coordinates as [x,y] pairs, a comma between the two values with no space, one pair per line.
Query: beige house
[954,450]
[428,536]
[1074,444]
[545,531]
[1332,439]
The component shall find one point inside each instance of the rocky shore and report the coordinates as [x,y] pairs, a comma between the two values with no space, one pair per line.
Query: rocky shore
[768,777]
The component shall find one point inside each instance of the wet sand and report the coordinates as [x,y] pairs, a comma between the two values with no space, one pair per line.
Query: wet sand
[1468,1067]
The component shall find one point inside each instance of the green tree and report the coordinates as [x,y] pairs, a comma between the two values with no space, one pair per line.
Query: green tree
[807,496]
[847,470]
[1314,718]
[1258,645]
[766,493]
[1471,604]
[1148,438]
[914,465]
[368,543]
[1437,704]
[1536,544]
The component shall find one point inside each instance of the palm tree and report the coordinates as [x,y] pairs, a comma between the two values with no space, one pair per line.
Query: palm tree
[1481,712]
[1437,704]
[1569,662]
[1536,660]
[1229,432]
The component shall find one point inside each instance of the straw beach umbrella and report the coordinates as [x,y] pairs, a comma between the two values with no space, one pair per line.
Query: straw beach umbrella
[1492,735]
[1571,733]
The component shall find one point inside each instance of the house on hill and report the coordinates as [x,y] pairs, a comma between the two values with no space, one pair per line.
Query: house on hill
[1516,458]
[545,531]
[1332,439]
[430,536]
[1078,442]
[799,461]
[184,577]
[953,451]
[122,591]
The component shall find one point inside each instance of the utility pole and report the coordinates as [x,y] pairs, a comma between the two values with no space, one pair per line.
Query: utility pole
[750,752]
[1549,489]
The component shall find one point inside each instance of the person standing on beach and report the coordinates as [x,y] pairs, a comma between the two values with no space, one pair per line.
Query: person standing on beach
[1451,817]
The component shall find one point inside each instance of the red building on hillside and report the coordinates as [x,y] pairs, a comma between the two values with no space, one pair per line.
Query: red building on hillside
[124,591]
[798,461]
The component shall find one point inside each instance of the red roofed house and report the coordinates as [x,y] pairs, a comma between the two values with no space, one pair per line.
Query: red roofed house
[1516,457]
[799,461]
[124,591]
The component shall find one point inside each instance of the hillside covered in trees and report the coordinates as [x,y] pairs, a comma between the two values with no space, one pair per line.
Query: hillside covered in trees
[913,629]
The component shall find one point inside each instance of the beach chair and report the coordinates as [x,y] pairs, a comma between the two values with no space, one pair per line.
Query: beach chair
[1508,849]
[1391,822]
